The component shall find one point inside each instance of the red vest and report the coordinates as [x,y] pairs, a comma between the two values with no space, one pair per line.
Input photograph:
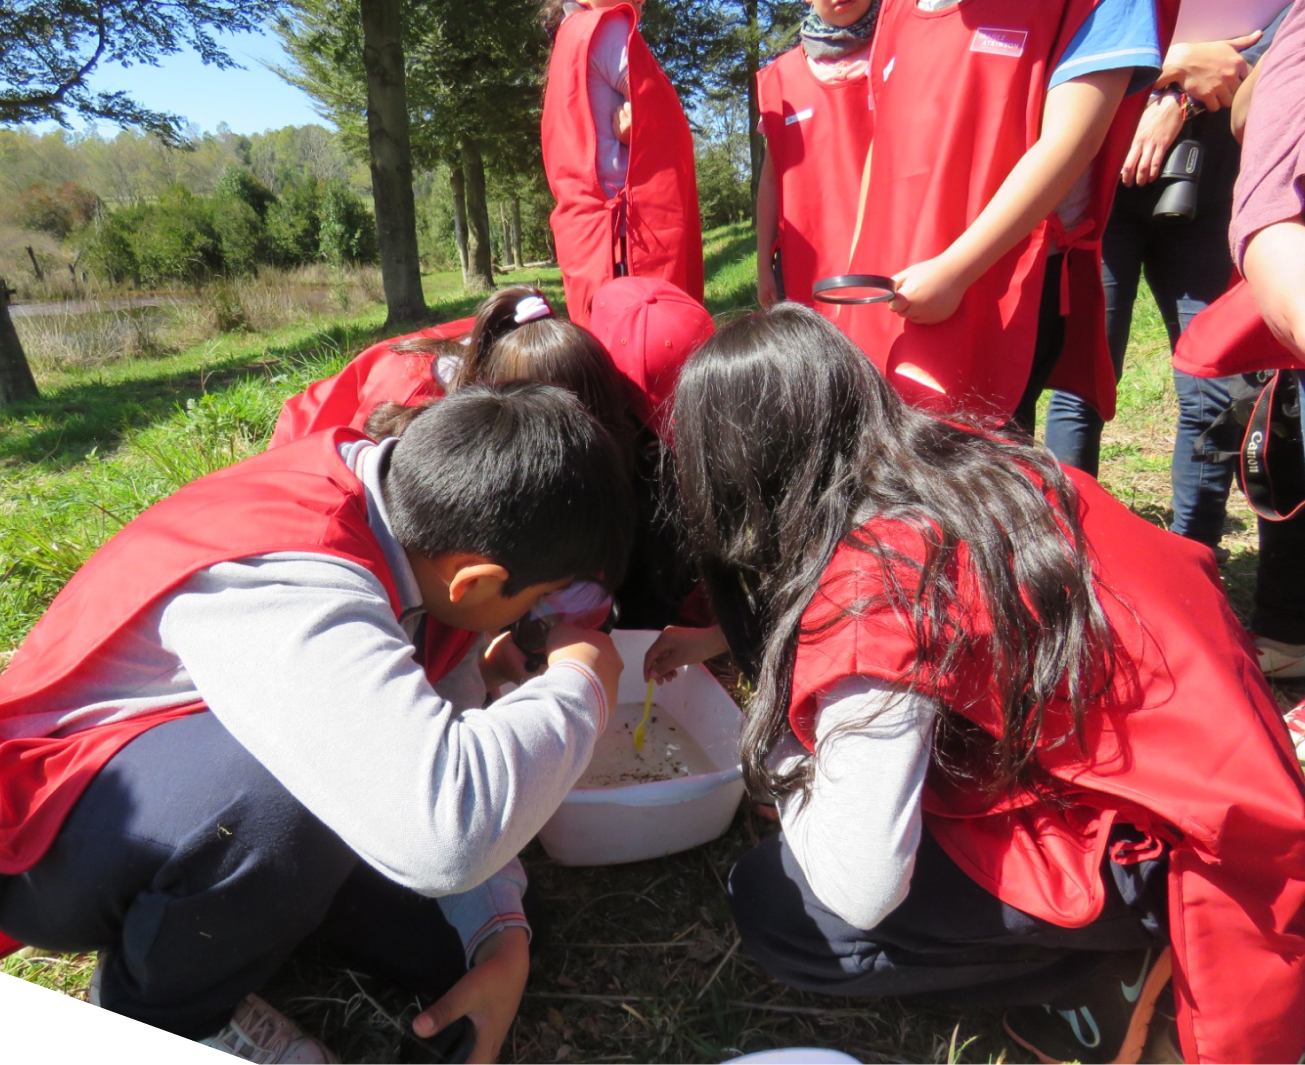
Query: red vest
[376,375]
[817,136]
[300,497]
[1189,747]
[958,95]
[660,198]
[1230,337]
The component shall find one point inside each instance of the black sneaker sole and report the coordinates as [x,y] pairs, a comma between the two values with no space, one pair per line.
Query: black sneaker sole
[1130,1051]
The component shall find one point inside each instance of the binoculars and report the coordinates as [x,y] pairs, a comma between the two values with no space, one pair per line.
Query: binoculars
[1181,177]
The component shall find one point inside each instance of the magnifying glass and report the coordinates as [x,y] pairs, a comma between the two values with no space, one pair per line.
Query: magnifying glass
[853,288]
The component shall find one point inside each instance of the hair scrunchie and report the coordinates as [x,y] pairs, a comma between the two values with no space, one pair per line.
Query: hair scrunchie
[530,308]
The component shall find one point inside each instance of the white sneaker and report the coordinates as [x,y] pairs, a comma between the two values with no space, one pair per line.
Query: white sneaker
[1280,661]
[257,1032]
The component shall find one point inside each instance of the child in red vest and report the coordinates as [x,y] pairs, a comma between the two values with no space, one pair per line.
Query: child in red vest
[995,709]
[514,336]
[651,328]
[998,137]
[253,714]
[618,154]
[816,116]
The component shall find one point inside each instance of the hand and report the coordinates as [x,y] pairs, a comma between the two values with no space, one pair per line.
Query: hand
[1161,122]
[488,995]
[1209,72]
[621,121]
[767,290]
[504,663]
[570,643]
[928,292]
[678,646]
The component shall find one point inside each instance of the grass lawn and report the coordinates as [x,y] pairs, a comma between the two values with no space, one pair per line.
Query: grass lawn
[634,963]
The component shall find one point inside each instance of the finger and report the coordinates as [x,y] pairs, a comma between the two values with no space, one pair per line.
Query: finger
[1244,42]
[436,1017]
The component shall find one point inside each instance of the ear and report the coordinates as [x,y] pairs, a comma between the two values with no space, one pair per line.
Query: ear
[470,574]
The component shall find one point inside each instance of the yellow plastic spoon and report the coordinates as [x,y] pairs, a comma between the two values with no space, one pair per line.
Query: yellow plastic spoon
[647,706]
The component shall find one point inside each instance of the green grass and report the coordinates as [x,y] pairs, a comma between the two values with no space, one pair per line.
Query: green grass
[638,962]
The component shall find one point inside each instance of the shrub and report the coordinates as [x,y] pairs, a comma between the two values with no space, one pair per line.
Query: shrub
[176,239]
[347,233]
[723,193]
[294,225]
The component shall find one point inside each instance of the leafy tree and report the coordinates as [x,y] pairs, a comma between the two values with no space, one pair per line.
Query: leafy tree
[472,84]
[48,48]
[237,182]
[56,211]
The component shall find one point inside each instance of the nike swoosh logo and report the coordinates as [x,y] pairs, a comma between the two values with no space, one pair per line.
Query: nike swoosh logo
[1132,991]
[1072,1017]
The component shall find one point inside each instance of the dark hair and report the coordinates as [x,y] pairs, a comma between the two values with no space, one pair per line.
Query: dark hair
[551,13]
[549,350]
[787,441]
[521,474]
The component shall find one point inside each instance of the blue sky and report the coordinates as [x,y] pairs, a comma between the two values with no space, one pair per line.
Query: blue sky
[249,100]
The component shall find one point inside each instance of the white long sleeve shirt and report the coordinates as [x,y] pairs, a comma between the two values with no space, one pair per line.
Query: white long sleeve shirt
[856,835]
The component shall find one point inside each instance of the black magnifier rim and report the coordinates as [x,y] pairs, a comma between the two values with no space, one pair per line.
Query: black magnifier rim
[821,290]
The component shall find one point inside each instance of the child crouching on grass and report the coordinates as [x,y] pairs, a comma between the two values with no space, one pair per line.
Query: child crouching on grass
[1020,747]
[227,731]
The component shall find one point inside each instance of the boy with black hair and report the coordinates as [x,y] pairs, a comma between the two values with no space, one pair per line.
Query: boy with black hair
[223,734]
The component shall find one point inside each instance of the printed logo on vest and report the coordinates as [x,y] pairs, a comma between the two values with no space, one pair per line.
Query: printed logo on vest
[999,42]
[798,116]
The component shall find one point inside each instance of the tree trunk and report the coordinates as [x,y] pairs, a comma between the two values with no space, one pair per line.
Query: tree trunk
[480,273]
[16,380]
[505,227]
[391,161]
[756,139]
[36,267]
[517,257]
[458,182]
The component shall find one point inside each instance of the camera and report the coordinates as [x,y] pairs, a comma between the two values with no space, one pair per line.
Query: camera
[1181,177]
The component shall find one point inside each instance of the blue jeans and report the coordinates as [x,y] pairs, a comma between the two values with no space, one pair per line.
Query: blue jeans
[1187,265]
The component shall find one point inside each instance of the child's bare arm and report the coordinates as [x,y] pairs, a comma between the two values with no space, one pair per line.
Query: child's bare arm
[767,233]
[1075,119]
[1274,265]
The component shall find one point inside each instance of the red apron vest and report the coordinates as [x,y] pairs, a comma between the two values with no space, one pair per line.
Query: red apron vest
[660,198]
[1189,747]
[958,96]
[376,375]
[817,136]
[1230,337]
[300,497]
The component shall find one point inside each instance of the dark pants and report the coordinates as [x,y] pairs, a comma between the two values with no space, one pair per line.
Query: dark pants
[1187,266]
[948,940]
[195,874]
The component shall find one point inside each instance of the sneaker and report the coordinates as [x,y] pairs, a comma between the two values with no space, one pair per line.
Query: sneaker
[1108,1023]
[257,1032]
[1295,720]
[1280,661]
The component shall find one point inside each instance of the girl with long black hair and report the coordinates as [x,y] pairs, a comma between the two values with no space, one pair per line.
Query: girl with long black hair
[1017,739]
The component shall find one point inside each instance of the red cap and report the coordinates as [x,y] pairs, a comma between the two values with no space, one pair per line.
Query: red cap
[651,328]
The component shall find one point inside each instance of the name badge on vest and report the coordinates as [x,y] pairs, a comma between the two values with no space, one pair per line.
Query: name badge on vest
[999,42]
[798,116]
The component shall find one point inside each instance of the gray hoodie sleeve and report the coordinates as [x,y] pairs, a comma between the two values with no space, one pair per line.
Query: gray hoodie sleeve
[301,659]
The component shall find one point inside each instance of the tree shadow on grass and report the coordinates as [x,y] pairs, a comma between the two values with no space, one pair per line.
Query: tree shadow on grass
[64,426]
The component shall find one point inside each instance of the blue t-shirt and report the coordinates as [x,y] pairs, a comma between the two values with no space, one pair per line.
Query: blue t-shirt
[1118,33]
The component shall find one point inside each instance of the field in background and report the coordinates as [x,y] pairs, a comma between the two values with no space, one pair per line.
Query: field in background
[633,963]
